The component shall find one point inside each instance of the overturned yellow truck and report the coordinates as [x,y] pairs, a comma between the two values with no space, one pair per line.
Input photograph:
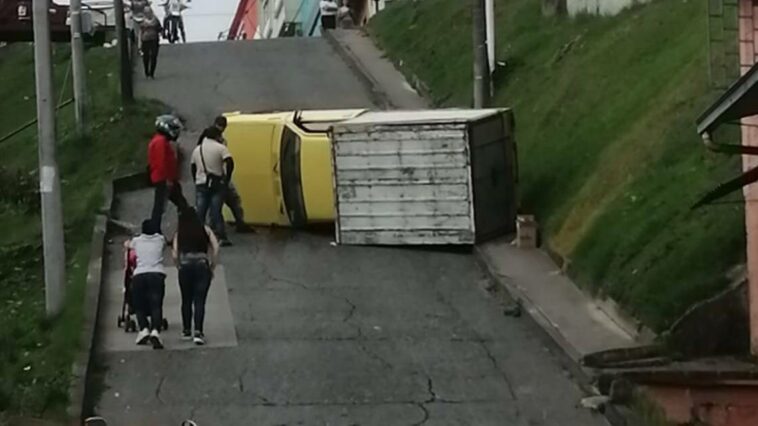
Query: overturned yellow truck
[383,177]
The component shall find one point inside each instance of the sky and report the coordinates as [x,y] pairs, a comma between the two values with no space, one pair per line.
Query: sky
[203,21]
[206,18]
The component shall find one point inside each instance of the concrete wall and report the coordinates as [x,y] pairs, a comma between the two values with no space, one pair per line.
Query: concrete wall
[713,405]
[599,7]
[748,16]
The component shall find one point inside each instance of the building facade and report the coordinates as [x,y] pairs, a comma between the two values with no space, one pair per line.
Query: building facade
[261,19]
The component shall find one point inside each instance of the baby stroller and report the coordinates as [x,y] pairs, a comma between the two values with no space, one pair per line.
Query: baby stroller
[125,319]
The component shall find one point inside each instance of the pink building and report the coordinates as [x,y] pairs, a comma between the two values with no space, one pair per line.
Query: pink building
[725,395]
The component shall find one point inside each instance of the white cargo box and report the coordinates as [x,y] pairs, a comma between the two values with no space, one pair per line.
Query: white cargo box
[424,177]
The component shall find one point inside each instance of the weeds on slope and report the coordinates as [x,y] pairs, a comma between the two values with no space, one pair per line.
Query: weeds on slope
[609,157]
[36,354]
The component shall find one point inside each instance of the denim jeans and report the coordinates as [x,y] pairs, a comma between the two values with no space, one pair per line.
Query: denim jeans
[233,200]
[209,203]
[194,282]
[148,290]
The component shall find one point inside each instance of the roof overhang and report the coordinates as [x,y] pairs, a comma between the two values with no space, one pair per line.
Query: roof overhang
[740,100]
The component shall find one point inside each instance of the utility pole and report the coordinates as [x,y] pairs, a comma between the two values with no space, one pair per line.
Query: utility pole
[490,13]
[49,181]
[127,91]
[481,65]
[78,67]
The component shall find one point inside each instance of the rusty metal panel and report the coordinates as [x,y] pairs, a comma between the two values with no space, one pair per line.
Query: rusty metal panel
[404,177]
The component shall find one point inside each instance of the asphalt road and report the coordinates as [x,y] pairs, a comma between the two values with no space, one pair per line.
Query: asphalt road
[325,334]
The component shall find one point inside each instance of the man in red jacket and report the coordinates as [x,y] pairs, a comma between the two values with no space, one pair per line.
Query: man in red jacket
[163,166]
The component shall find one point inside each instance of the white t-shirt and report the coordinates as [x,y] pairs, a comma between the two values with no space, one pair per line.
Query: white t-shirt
[214,153]
[175,7]
[149,251]
[328,7]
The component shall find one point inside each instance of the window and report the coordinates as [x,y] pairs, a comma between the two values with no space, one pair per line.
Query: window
[292,188]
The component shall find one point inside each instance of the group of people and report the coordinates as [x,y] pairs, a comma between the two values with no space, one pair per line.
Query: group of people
[195,246]
[332,13]
[146,30]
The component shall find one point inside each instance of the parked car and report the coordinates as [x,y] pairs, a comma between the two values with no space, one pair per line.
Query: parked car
[16,20]
[283,166]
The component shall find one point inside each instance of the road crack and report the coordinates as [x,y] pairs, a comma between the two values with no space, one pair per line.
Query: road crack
[430,389]
[351,312]
[425,411]
[496,365]
[158,390]
[360,340]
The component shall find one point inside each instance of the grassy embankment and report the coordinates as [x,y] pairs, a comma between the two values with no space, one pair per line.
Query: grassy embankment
[36,354]
[610,160]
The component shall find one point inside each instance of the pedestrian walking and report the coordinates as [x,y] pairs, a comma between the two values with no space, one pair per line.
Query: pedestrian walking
[163,168]
[148,283]
[212,166]
[345,16]
[137,9]
[195,251]
[173,21]
[232,198]
[151,31]
[329,10]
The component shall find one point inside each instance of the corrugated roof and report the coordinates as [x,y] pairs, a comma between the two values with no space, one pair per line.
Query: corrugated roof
[740,100]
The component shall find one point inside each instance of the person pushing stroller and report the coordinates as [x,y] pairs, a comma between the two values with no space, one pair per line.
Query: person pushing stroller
[148,284]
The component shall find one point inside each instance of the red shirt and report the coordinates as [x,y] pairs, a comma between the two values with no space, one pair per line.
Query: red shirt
[161,159]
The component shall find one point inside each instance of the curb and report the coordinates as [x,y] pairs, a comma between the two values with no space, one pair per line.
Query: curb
[78,408]
[552,336]
[378,96]
[534,311]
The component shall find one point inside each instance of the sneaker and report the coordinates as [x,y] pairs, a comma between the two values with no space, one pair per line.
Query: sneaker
[143,336]
[155,339]
[225,242]
[199,338]
[186,335]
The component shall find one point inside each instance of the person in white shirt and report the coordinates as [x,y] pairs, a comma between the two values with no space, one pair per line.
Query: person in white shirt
[329,9]
[136,9]
[346,16]
[173,15]
[212,166]
[148,282]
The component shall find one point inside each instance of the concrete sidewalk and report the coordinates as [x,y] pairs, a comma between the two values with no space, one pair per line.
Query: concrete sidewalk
[371,63]
[579,324]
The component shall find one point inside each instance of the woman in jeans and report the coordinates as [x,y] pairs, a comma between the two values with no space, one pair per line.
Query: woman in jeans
[195,252]
[148,283]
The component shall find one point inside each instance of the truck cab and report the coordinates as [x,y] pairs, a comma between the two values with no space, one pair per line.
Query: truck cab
[283,169]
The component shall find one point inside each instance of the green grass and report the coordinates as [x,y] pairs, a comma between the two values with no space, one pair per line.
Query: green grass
[610,159]
[36,354]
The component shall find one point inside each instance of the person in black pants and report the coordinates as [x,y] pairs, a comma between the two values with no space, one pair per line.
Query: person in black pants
[196,253]
[329,10]
[150,32]
[148,283]
[232,198]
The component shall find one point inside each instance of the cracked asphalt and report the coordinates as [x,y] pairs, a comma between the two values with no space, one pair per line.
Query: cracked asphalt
[330,334]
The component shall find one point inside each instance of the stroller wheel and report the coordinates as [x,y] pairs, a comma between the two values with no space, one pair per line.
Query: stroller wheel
[164,324]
